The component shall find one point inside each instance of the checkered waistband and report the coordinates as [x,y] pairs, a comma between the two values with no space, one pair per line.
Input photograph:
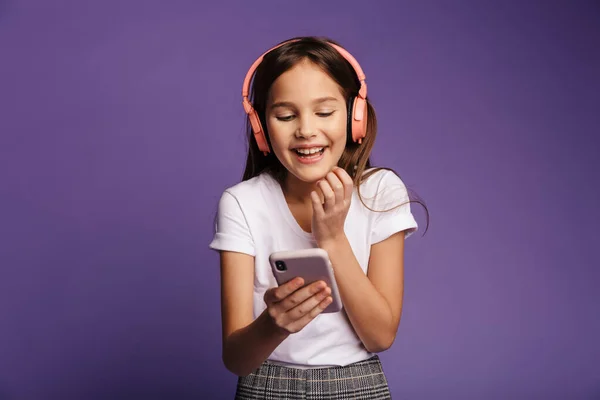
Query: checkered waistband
[360,380]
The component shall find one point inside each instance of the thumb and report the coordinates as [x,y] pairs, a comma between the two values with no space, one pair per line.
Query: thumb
[268,297]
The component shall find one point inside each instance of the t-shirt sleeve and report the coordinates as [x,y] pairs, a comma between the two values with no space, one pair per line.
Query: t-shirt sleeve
[392,209]
[231,227]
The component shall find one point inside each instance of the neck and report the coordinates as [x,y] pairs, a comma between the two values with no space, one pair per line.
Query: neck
[297,191]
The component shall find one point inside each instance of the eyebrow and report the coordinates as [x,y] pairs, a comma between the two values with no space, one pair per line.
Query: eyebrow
[290,104]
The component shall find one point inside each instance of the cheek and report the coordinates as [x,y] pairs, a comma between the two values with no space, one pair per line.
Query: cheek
[276,134]
[279,141]
[339,132]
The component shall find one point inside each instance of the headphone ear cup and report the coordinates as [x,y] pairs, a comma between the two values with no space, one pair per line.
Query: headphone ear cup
[350,109]
[359,119]
[259,134]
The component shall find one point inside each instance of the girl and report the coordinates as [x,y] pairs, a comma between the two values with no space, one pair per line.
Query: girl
[308,182]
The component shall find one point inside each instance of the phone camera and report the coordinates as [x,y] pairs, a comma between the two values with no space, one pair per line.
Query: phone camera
[280,265]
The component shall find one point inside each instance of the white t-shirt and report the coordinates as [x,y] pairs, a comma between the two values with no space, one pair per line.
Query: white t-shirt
[254,218]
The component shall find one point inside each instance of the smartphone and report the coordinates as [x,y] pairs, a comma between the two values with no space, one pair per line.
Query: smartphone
[311,265]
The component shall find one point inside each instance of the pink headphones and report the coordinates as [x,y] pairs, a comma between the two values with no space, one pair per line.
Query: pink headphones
[357,113]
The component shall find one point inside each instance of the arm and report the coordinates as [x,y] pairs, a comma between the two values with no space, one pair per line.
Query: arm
[290,307]
[373,302]
[246,343]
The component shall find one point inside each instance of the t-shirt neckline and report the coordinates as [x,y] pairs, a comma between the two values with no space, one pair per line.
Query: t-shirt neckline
[286,212]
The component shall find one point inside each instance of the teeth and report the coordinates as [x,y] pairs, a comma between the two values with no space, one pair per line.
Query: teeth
[309,151]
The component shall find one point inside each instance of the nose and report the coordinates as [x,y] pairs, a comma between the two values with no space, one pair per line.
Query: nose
[306,128]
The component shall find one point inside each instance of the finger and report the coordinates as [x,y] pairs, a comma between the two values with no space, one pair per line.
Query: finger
[281,292]
[312,314]
[328,194]
[300,296]
[347,182]
[317,205]
[310,303]
[337,186]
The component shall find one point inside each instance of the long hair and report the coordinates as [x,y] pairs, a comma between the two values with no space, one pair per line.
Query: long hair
[355,159]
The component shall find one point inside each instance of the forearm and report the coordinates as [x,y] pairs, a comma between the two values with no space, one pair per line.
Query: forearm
[368,311]
[247,348]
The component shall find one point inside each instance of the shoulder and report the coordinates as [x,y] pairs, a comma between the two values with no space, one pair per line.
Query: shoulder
[248,189]
[375,176]
[239,208]
[383,184]
[248,186]
[387,204]
[251,192]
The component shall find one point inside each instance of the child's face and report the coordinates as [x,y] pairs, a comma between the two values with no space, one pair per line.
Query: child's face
[306,113]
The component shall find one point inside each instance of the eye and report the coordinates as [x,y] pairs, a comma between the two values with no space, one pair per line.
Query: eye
[285,118]
[325,114]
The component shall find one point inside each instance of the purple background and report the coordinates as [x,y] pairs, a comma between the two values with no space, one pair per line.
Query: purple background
[121,124]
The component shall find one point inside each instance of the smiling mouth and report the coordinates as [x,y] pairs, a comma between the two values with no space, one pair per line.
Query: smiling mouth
[309,153]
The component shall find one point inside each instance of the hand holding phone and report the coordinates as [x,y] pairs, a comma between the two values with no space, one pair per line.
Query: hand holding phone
[293,305]
[306,288]
[312,265]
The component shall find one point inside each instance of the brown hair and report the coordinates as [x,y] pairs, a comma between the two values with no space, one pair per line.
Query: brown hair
[356,157]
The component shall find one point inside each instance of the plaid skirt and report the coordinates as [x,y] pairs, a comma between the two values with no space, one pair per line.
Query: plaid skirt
[360,380]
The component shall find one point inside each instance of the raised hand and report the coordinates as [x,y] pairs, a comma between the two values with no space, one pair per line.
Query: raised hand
[331,203]
[292,306]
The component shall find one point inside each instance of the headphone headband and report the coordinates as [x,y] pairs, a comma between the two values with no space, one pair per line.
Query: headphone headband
[359,72]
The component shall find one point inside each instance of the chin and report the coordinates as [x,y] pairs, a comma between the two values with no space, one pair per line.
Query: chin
[311,176]
[310,173]
[310,170]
